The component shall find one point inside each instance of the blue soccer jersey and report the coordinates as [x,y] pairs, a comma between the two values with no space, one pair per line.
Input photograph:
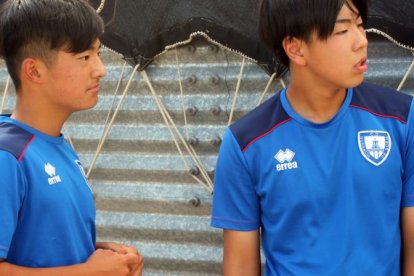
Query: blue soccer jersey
[47,215]
[326,197]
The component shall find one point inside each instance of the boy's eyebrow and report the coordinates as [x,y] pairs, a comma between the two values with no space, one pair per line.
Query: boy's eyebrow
[347,20]
[95,48]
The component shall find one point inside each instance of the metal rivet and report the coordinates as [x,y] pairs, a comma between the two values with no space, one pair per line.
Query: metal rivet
[191,48]
[215,79]
[213,48]
[195,201]
[193,141]
[215,141]
[195,171]
[192,110]
[215,110]
[191,79]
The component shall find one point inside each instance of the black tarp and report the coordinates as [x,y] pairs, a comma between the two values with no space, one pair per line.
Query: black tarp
[141,29]
[395,19]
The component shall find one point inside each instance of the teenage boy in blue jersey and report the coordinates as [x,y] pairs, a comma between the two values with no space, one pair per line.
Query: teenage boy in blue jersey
[321,173]
[47,213]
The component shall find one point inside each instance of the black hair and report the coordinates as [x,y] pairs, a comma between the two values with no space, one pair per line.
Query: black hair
[38,28]
[279,19]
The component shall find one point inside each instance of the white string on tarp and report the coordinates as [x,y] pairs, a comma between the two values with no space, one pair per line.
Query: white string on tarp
[176,133]
[272,77]
[181,94]
[67,136]
[118,85]
[282,82]
[404,79]
[201,168]
[236,93]
[101,6]
[111,122]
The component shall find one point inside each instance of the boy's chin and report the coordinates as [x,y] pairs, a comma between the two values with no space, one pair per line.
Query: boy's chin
[356,82]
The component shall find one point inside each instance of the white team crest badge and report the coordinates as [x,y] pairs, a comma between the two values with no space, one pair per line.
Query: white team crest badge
[374,145]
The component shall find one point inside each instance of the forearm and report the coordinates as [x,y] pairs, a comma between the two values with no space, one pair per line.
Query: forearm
[7,269]
[109,259]
[408,263]
[237,265]
[241,269]
[407,226]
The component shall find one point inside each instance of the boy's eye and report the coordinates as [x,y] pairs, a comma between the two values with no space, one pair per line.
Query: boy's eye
[342,32]
[85,58]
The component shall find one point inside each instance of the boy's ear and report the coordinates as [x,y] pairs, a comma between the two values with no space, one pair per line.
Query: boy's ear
[294,50]
[32,70]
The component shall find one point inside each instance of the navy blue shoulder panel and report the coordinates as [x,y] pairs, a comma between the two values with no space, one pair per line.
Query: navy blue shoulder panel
[258,122]
[14,139]
[382,101]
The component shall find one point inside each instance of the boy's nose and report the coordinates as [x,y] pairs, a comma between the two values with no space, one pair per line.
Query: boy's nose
[362,41]
[100,68]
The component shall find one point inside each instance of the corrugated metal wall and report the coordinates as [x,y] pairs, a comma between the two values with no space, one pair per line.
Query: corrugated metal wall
[145,195]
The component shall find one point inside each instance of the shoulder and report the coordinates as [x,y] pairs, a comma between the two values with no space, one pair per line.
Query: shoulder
[14,139]
[382,101]
[259,122]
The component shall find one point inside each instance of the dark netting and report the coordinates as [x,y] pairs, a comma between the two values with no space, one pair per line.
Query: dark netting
[394,19]
[141,29]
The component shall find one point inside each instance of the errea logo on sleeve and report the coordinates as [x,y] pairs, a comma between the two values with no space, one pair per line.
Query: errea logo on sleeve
[285,159]
[51,171]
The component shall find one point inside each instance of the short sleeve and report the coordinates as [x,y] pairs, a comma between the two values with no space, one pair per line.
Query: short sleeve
[408,172]
[12,191]
[235,203]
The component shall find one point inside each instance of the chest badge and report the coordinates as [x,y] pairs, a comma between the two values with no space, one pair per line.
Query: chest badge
[375,145]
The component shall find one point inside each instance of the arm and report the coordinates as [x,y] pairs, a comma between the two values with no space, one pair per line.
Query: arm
[100,263]
[407,225]
[241,253]
[407,209]
[236,206]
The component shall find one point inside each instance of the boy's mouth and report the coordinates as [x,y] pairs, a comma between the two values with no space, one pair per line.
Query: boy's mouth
[362,65]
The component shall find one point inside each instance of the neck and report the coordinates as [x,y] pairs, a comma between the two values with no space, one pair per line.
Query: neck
[316,102]
[42,119]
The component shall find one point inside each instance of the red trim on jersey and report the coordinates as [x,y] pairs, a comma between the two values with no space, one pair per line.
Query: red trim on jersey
[378,114]
[264,134]
[25,148]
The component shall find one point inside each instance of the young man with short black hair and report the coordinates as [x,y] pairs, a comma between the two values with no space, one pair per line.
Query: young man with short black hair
[321,174]
[47,221]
